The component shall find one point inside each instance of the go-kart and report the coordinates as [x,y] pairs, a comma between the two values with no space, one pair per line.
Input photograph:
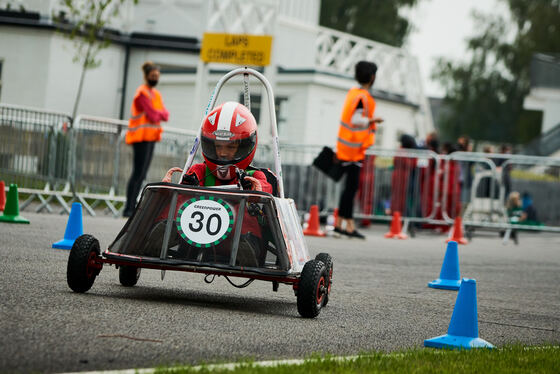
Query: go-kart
[224,231]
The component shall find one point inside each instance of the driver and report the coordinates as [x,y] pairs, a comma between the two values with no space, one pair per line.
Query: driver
[229,142]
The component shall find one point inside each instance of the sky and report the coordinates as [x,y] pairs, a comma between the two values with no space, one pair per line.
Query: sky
[441,29]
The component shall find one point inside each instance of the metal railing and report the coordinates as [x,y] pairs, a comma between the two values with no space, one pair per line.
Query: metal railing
[57,161]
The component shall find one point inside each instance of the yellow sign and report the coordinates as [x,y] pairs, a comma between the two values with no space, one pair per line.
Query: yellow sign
[239,49]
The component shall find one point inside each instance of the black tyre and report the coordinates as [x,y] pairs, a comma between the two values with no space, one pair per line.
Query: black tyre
[312,288]
[129,275]
[82,265]
[328,261]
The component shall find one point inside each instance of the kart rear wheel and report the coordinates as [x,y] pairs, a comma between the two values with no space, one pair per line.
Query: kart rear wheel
[129,275]
[82,265]
[312,288]
[327,260]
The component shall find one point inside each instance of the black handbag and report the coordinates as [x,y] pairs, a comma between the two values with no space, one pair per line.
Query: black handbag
[329,164]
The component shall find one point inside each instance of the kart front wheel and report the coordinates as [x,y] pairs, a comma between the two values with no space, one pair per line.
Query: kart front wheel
[312,288]
[82,265]
[328,261]
[129,275]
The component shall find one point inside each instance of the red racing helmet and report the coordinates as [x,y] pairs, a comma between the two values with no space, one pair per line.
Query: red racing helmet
[229,139]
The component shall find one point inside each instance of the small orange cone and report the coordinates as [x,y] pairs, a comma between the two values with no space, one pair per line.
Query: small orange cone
[313,223]
[396,228]
[2,196]
[457,229]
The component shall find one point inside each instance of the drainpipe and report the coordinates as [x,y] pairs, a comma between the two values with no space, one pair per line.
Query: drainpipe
[125,78]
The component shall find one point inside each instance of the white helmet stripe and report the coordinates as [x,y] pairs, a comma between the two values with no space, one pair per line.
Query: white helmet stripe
[226,115]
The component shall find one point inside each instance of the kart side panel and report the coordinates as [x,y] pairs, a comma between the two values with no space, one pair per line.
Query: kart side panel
[293,233]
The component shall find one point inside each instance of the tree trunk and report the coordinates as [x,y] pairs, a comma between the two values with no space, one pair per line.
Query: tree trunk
[81,85]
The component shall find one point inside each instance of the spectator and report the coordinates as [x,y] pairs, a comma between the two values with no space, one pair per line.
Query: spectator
[464,144]
[427,177]
[144,130]
[432,142]
[521,211]
[356,134]
[366,189]
[529,211]
[402,179]
[451,201]
[485,187]
[505,149]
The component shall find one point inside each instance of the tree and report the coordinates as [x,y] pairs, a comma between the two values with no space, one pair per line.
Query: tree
[84,22]
[485,95]
[377,20]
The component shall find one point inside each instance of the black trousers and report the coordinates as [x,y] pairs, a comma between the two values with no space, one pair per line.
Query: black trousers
[142,157]
[351,184]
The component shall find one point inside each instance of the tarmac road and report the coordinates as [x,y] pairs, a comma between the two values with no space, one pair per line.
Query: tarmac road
[379,300]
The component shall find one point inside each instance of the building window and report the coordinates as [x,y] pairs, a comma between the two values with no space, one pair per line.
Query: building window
[256,108]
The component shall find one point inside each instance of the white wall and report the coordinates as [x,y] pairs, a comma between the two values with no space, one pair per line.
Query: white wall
[183,18]
[25,54]
[38,71]
[101,93]
[399,119]
[547,100]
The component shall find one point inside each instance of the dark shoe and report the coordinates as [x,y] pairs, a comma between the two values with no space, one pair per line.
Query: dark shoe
[127,213]
[338,232]
[355,234]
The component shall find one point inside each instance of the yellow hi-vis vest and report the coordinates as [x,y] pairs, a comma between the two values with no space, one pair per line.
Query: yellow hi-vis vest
[140,129]
[353,141]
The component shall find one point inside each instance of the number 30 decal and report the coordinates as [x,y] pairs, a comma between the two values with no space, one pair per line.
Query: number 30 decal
[204,221]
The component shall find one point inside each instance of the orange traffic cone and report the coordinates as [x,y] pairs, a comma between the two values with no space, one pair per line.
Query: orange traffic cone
[2,196]
[313,223]
[457,229]
[396,228]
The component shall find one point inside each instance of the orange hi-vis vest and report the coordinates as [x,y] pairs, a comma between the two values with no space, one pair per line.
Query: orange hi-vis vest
[140,129]
[352,140]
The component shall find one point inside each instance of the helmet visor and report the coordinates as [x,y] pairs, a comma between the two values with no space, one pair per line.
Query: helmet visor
[228,152]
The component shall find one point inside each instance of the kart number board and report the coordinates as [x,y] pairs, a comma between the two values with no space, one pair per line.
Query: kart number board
[205,221]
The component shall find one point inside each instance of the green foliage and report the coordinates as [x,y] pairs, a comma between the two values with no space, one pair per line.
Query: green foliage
[485,95]
[377,20]
[512,359]
[85,23]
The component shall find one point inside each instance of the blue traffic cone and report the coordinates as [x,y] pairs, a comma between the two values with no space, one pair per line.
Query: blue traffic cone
[463,328]
[74,228]
[449,276]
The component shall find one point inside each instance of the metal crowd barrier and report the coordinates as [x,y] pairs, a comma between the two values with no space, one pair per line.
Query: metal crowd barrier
[496,176]
[34,150]
[103,161]
[56,160]
[407,181]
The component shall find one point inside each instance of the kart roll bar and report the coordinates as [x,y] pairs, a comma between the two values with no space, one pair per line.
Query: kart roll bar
[273,127]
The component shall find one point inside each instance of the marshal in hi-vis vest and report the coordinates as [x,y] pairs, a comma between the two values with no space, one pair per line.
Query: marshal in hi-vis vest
[352,140]
[140,129]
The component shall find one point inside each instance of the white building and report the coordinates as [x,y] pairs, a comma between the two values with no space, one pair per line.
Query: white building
[311,69]
[545,89]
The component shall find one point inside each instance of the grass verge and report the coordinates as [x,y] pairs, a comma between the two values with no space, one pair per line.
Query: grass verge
[509,359]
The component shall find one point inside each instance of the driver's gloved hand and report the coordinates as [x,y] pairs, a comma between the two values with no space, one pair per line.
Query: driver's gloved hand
[190,180]
[245,184]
